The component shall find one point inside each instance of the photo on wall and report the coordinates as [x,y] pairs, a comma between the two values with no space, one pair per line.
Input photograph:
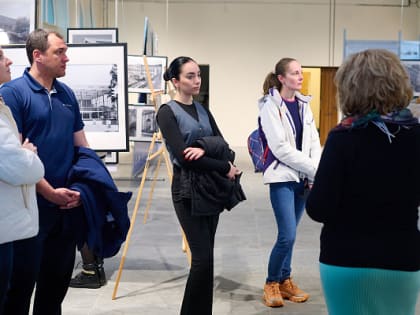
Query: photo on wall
[92,35]
[140,154]
[111,157]
[98,77]
[17,20]
[141,122]
[413,69]
[137,77]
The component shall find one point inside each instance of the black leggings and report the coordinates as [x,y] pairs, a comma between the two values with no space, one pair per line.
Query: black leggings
[200,232]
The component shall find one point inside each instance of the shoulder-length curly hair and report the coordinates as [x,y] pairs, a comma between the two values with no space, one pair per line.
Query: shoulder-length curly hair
[373,79]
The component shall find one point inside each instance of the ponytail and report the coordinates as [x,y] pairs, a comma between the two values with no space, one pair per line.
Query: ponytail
[270,81]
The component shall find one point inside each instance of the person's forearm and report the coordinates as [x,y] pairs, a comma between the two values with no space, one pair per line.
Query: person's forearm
[44,188]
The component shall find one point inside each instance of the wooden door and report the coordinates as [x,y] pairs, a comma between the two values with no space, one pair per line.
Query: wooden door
[328,105]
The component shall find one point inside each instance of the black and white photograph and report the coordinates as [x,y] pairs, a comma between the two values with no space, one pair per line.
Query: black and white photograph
[111,157]
[141,122]
[410,50]
[137,76]
[17,20]
[413,69]
[97,75]
[141,151]
[92,35]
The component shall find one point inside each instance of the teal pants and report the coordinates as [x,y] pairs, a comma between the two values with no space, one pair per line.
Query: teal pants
[369,291]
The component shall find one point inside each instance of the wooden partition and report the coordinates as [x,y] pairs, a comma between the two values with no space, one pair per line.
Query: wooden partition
[328,109]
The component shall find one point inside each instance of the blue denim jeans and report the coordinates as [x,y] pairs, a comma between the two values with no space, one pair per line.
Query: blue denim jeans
[288,202]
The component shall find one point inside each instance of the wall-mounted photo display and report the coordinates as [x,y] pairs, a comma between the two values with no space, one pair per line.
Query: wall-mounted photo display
[140,154]
[17,20]
[97,73]
[137,78]
[410,50]
[111,157]
[141,122]
[92,35]
[413,69]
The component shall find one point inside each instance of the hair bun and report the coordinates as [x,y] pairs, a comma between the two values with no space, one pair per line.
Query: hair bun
[167,75]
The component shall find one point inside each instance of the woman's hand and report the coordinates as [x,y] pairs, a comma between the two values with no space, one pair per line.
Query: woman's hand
[29,146]
[191,153]
[233,172]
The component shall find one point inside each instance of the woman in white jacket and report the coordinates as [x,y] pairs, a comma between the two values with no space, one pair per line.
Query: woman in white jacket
[20,169]
[289,127]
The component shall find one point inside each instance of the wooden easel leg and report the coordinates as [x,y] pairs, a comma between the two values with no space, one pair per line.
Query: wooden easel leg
[186,247]
[132,221]
[152,189]
[150,157]
[161,152]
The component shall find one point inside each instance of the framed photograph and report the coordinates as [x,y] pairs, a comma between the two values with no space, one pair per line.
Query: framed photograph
[111,157]
[410,50]
[97,74]
[141,122]
[92,35]
[149,39]
[137,79]
[17,20]
[413,69]
[140,153]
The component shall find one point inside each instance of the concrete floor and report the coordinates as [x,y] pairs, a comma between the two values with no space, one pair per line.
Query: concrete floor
[156,268]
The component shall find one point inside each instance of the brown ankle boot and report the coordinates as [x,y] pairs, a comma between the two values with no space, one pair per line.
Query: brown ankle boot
[290,291]
[272,296]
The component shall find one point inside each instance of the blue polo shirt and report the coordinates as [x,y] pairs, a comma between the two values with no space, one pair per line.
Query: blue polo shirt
[48,119]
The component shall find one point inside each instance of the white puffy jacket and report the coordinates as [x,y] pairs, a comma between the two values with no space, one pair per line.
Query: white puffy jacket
[20,169]
[278,126]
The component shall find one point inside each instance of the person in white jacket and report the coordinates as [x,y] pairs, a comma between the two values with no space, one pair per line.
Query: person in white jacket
[20,169]
[289,127]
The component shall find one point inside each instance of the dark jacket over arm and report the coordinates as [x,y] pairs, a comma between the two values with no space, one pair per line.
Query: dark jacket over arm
[104,223]
[210,191]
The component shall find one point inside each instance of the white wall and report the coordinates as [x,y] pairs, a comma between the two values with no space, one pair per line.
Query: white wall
[242,41]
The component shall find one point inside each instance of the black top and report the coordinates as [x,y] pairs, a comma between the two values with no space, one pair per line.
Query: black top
[366,193]
[173,137]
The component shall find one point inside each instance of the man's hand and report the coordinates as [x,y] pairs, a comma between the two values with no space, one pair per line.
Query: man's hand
[65,198]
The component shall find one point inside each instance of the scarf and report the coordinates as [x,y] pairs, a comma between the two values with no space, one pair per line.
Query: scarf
[402,118]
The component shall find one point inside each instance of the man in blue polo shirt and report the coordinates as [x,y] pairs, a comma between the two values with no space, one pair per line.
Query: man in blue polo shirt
[47,112]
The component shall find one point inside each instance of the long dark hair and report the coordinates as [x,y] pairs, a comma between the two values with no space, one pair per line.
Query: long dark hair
[174,68]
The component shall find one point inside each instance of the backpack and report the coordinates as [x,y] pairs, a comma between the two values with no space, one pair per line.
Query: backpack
[261,155]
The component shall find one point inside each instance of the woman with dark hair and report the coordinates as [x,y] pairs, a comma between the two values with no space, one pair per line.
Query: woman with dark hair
[367,192]
[289,127]
[184,123]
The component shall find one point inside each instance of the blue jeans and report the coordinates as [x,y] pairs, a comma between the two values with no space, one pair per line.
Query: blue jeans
[288,202]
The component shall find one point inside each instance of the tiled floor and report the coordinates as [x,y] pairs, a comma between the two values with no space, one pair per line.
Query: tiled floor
[155,270]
